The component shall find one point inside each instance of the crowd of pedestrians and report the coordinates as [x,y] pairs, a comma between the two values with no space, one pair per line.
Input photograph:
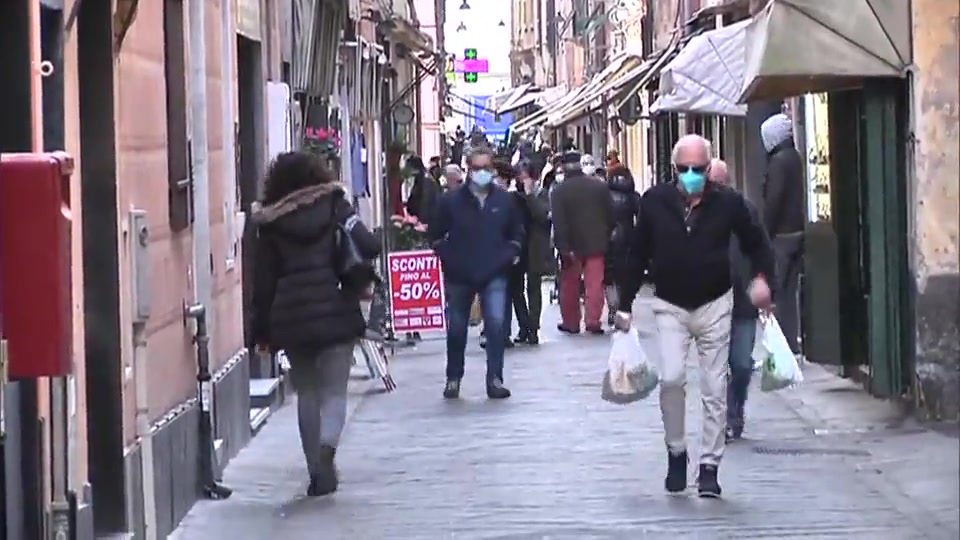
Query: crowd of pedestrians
[499,225]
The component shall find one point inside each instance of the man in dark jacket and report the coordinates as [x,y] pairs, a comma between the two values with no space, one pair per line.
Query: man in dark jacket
[683,235]
[743,328]
[784,213]
[435,170]
[582,223]
[477,234]
[424,193]
[534,262]
[626,206]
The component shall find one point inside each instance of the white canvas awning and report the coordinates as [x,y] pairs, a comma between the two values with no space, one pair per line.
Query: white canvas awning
[517,98]
[795,47]
[706,77]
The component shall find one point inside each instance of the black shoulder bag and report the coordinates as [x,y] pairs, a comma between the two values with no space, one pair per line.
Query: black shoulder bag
[355,272]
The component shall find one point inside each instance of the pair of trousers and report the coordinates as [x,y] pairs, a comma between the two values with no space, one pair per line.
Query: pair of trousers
[571,269]
[743,334]
[320,379]
[526,298]
[707,327]
[493,304]
[788,251]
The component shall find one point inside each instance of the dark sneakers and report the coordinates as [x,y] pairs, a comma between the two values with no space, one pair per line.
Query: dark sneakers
[707,484]
[451,390]
[676,481]
[568,331]
[595,330]
[325,481]
[496,389]
[527,337]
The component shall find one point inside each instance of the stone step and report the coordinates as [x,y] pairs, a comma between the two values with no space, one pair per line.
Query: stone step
[258,419]
[265,393]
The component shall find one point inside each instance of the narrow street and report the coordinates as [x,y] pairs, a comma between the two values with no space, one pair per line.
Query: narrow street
[557,462]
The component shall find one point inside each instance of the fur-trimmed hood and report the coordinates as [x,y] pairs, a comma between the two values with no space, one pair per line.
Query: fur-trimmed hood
[305,213]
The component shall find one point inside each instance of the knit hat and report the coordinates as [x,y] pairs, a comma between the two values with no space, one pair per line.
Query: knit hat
[775,130]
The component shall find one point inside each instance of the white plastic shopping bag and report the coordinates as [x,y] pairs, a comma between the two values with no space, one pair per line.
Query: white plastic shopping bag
[630,376]
[779,368]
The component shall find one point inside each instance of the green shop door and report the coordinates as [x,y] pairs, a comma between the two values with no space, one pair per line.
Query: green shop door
[855,289]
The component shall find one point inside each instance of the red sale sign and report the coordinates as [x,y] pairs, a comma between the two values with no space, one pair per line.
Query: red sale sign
[416,291]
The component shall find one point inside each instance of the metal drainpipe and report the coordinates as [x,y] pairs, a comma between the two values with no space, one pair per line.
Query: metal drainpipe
[144,431]
[201,178]
[208,476]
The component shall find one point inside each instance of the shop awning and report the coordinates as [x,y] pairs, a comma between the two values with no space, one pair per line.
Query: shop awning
[401,30]
[534,120]
[516,95]
[640,76]
[583,102]
[548,100]
[706,76]
[494,102]
[795,47]
[530,98]
[551,95]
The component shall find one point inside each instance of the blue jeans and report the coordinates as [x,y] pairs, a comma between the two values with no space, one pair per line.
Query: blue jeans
[743,333]
[493,304]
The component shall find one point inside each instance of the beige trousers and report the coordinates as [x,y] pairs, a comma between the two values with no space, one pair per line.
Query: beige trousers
[707,327]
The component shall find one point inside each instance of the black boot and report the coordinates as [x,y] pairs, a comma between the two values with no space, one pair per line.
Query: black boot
[496,389]
[708,486]
[522,336]
[533,338]
[676,481]
[452,389]
[324,481]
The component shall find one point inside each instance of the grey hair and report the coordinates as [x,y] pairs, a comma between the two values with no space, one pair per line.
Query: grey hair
[453,168]
[690,139]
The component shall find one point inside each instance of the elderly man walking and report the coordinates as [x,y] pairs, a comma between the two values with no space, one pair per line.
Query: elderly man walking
[582,223]
[743,329]
[453,176]
[683,234]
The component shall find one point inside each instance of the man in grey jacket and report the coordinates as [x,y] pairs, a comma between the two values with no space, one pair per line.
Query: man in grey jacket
[784,213]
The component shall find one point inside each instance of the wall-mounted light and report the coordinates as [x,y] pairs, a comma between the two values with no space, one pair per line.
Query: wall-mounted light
[464,5]
[501,23]
[462,27]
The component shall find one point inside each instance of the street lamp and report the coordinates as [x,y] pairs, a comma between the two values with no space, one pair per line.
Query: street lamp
[501,23]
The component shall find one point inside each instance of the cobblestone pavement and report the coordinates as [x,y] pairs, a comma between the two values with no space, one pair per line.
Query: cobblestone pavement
[555,462]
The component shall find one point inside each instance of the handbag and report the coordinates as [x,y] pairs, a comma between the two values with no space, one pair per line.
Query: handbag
[353,269]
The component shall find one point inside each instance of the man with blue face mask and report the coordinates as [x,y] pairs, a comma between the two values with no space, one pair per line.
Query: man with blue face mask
[683,236]
[477,233]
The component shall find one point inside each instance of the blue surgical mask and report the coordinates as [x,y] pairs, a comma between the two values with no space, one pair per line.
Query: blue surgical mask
[692,181]
[482,178]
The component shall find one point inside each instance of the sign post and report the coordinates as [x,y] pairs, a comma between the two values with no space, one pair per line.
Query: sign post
[416,291]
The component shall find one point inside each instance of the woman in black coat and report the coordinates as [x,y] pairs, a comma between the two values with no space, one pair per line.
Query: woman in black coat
[300,305]
[626,207]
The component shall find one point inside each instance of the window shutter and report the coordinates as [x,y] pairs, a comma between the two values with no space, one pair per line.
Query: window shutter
[180,177]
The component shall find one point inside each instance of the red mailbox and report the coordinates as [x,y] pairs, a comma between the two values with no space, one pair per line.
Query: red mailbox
[35,228]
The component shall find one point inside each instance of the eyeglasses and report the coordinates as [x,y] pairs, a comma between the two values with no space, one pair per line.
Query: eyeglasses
[699,169]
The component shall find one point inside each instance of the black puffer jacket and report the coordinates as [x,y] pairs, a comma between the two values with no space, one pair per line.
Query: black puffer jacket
[298,303]
[626,206]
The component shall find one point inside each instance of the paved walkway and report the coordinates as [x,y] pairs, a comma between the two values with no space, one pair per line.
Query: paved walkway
[556,462]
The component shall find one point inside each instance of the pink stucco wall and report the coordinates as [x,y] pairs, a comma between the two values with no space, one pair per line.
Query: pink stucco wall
[430,134]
